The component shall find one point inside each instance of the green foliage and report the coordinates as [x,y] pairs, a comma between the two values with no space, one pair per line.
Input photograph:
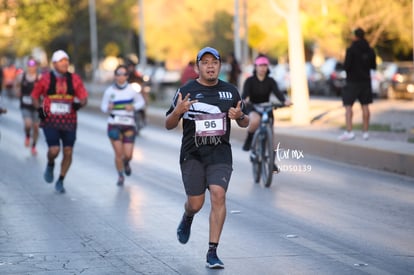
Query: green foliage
[175,32]
[220,32]
[65,24]
[374,127]
[38,22]
[112,49]
[256,36]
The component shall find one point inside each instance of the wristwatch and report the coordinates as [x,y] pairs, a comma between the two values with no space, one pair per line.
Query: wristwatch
[241,118]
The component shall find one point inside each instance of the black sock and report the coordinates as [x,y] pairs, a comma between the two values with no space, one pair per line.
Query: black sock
[212,246]
[51,164]
[61,177]
[188,218]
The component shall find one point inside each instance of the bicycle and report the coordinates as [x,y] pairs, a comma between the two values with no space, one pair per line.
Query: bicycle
[262,151]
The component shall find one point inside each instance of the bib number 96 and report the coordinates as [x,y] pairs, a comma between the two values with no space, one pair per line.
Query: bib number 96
[210,125]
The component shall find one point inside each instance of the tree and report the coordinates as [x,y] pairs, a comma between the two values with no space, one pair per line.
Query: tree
[175,32]
[221,32]
[300,92]
[388,24]
[38,23]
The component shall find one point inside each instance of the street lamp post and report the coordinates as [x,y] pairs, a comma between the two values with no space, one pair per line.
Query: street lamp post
[94,38]
[142,50]
[237,50]
[245,49]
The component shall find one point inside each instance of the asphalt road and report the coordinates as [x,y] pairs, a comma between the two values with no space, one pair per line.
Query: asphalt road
[318,217]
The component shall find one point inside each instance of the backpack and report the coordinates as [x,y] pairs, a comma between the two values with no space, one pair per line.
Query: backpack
[52,84]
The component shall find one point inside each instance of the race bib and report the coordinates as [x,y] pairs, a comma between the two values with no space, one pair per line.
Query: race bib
[124,120]
[60,108]
[210,125]
[27,100]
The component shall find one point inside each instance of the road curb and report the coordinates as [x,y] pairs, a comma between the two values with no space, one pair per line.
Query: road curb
[385,155]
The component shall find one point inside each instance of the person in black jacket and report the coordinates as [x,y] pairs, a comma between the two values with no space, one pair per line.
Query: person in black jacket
[359,60]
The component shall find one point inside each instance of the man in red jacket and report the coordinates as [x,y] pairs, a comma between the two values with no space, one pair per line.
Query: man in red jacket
[63,95]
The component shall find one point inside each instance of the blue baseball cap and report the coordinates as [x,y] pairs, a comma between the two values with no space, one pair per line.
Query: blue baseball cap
[209,50]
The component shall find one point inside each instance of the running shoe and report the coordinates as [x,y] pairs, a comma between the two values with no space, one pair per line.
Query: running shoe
[346,136]
[127,168]
[27,141]
[121,180]
[184,229]
[59,187]
[213,260]
[34,151]
[276,169]
[365,135]
[48,175]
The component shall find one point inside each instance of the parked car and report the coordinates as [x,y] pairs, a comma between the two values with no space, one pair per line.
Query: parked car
[317,82]
[381,77]
[335,76]
[281,74]
[166,77]
[401,80]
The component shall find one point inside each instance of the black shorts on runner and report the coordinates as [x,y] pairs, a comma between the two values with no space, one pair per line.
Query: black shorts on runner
[357,90]
[197,176]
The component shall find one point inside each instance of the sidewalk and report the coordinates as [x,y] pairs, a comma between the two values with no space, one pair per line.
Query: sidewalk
[385,150]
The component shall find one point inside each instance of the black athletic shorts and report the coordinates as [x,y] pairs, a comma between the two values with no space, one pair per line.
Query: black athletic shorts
[197,176]
[357,90]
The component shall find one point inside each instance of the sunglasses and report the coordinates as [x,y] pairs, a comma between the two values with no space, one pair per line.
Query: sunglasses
[121,74]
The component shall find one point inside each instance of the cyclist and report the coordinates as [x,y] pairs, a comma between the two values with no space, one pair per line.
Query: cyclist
[257,89]
[24,86]
[120,100]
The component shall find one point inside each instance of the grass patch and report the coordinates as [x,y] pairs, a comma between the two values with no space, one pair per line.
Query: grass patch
[410,140]
[379,127]
[376,127]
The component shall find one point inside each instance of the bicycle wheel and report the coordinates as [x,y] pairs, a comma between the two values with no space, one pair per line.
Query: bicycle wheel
[255,157]
[267,158]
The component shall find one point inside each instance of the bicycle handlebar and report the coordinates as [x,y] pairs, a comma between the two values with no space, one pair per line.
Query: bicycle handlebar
[267,106]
